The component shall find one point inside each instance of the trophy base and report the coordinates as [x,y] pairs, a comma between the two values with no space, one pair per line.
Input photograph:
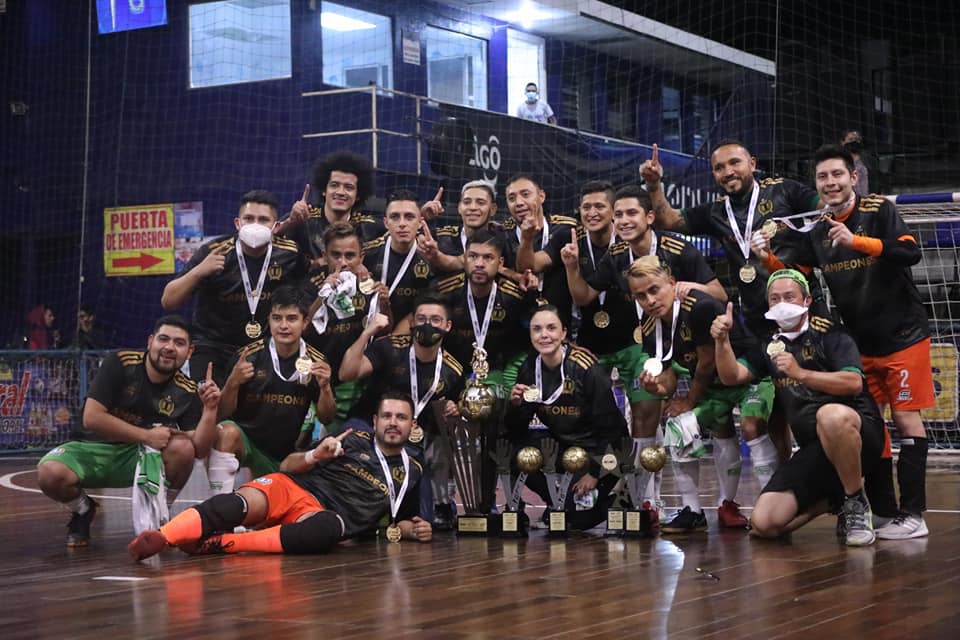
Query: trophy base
[513,524]
[556,524]
[615,522]
[639,523]
[478,524]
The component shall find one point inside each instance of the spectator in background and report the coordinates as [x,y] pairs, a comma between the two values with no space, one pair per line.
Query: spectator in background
[533,108]
[40,332]
[89,334]
[866,164]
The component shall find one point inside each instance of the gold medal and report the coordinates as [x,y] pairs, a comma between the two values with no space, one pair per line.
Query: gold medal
[531,394]
[601,319]
[748,273]
[367,285]
[775,347]
[302,365]
[253,329]
[416,434]
[769,228]
[638,335]
[653,366]
[393,533]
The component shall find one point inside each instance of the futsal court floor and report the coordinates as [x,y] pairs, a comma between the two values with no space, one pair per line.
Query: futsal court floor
[585,586]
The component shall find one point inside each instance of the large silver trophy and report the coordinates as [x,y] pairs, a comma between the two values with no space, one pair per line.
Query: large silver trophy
[465,442]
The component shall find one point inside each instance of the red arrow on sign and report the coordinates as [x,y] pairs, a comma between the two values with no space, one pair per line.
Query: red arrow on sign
[144,261]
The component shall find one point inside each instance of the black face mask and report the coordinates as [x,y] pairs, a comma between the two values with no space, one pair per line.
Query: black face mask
[854,147]
[428,335]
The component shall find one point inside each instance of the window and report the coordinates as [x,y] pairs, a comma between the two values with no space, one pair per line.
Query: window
[456,68]
[526,63]
[357,47]
[239,41]
[671,136]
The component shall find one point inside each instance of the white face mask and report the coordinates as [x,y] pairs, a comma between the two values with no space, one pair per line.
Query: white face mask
[255,235]
[786,314]
[532,96]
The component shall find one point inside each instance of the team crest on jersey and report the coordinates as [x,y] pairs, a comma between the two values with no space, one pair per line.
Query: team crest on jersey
[421,269]
[275,272]
[568,386]
[808,351]
[688,358]
[360,301]
[57,451]
[685,334]
[765,207]
[165,406]
[498,313]
[260,374]
[364,457]
[264,480]
[397,474]
[129,391]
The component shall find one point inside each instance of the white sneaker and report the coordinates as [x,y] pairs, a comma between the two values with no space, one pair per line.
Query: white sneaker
[859,521]
[904,527]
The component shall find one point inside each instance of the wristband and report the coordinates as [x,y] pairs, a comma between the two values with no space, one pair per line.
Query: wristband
[310,456]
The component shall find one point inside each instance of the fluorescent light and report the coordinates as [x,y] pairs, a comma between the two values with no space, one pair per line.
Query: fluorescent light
[340,22]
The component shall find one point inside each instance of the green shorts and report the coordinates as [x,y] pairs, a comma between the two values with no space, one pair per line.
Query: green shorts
[506,378]
[629,363]
[346,394]
[98,464]
[716,406]
[259,463]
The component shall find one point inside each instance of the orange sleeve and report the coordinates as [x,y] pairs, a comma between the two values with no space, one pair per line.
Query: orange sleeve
[870,246]
[772,263]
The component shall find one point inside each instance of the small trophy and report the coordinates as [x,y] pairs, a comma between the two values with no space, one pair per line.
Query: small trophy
[574,460]
[637,520]
[617,462]
[463,441]
[529,460]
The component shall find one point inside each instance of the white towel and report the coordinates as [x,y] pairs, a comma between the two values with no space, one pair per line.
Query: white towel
[682,437]
[340,300]
[149,491]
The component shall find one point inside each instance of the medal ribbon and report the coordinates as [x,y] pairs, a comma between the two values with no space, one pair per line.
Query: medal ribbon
[538,379]
[419,403]
[480,332]
[276,361]
[743,239]
[396,498]
[659,333]
[653,252]
[593,261]
[383,275]
[253,295]
[544,239]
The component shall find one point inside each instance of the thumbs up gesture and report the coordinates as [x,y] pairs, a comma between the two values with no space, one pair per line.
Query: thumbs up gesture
[721,326]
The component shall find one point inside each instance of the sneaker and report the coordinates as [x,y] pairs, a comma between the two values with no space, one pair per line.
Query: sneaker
[859,521]
[685,521]
[903,527]
[729,516]
[841,526]
[78,529]
[209,546]
[149,543]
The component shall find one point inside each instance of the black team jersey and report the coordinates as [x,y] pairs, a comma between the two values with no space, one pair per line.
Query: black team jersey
[685,262]
[309,234]
[390,357]
[415,279]
[450,242]
[221,311]
[697,312]
[340,333]
[585,413]
[555,288]
[778,197]
[353,486]
[821,347]
[507,336]
[271,410]
[123,387]
[590,336]
[875,294]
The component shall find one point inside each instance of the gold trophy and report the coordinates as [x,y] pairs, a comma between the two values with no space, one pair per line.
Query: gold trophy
[465,444]
[513,524]
[637,522]
[574,460]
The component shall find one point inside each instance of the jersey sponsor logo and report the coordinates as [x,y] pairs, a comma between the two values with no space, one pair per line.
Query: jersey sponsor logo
[165,406]
[849,265]
[560,410]
[127,416]
[264,480]
[57,451]
[904,395]
[369,477]
[277,398]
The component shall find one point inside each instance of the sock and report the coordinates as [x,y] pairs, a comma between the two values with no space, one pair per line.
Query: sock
[221,471]
[687,476]
[763,453]
[261,540]
[80,504]
[648,492]
[880,491]
[186,526]
[912,475]
[726,458]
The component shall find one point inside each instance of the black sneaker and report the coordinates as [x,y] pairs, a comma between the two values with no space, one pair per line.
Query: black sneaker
[210,546]
[685,521]
[78,529]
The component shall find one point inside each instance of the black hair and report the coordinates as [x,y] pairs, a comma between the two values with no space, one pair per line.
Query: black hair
[597,186]
[483,236]
[173,320]
[727,142]
[261,196]
[290,296]
[552,309]
[831,151]
[633,191]
[522,176]
[338,230]
[345,162]
[87,309]
[403,195]
[396,394]
[428,297]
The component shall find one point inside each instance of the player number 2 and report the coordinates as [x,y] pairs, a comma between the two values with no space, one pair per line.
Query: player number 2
[904,376]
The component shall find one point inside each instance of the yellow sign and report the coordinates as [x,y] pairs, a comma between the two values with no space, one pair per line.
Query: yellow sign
[138,241]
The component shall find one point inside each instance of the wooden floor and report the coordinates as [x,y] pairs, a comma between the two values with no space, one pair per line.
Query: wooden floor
[587,586]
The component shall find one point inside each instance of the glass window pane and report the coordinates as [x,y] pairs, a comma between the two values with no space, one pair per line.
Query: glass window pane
[239,41]
[456,68]
[357,47]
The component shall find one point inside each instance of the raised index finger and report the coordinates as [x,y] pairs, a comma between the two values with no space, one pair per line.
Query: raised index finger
[655,159]
[426,228]
[306,192]
[343,435]
[439,194]
[210,371]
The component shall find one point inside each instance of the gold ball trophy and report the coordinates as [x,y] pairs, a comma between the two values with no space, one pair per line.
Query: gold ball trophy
[574,460]
[529,460]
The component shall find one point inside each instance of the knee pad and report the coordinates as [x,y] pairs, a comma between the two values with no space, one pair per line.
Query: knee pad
[222,513]
[316,534]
